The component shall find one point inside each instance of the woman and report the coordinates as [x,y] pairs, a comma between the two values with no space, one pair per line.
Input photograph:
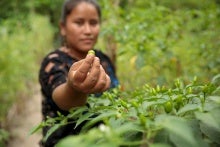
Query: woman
[69,74]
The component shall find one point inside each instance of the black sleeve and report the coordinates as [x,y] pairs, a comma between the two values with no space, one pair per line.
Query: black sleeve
[53,72]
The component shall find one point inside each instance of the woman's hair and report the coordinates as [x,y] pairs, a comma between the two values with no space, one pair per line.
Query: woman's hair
[69,5]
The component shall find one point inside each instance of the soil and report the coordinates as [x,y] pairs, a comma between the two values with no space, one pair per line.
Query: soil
[23,116]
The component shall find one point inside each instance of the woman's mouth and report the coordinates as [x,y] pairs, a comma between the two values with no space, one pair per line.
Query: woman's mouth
[87,40]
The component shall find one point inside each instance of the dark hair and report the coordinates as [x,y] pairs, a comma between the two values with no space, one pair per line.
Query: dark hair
[69,5]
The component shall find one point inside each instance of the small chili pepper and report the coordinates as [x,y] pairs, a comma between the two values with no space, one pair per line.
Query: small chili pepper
[168,107]
[91,52]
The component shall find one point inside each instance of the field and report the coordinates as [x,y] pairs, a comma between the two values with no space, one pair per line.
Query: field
[164,52]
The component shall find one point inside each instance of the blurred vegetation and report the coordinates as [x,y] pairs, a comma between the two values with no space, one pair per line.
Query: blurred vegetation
[160,41]
[154,42]
[22,45]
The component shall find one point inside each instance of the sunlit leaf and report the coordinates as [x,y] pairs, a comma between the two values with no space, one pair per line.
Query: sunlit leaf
[83,118]
[35,129]
[99,118]
[188,108]
[76,112]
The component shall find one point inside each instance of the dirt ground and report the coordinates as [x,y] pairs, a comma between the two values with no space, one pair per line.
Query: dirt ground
[22,118]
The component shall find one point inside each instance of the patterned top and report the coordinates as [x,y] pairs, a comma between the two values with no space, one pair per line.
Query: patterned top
[53,72]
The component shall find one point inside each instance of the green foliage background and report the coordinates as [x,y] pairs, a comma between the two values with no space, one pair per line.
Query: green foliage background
[155,42]
[164,40]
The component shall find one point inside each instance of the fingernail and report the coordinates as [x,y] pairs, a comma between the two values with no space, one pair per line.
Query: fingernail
[97,59]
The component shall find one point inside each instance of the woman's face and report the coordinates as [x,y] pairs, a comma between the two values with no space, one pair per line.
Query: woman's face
[82,27]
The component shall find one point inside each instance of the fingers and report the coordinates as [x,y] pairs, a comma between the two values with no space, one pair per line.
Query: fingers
[103,82]
[108,83]
[93,75]
[83,69]
[88,76]
[74,67]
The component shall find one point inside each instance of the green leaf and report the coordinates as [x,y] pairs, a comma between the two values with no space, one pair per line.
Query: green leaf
[215,114]
[179,132]
[216,99]
[211,133]
[83,118]
[51,130]
[99,118]
[210,124]
[93,138]
[188,108]
[35,129]
[128,127]
[72,140]
[74,113]
[207,118]
[162,137]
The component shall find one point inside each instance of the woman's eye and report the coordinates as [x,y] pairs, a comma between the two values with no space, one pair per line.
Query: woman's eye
[78,23]
[94,22]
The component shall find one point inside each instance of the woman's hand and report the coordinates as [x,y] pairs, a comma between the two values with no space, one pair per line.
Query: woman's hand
[88,76]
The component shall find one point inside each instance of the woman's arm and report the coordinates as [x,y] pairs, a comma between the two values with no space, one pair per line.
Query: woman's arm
[85,77]
[66,97]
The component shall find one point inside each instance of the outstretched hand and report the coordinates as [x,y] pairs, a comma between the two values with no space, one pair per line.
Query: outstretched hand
[88,76]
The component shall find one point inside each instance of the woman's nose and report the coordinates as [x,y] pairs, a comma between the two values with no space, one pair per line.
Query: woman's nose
[88,28]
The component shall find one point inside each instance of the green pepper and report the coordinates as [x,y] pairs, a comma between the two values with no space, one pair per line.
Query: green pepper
[168,107]
[158,88]
[154,92]
[178,102]
[123,103]
[91,52]
[142,119]
[190,90]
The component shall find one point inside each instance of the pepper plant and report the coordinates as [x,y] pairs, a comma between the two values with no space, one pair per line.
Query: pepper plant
[183,115]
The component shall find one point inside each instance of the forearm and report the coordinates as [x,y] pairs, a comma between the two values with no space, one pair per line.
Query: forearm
[66,97]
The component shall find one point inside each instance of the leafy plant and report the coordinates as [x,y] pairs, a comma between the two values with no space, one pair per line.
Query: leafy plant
[185,115]
[22,46]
